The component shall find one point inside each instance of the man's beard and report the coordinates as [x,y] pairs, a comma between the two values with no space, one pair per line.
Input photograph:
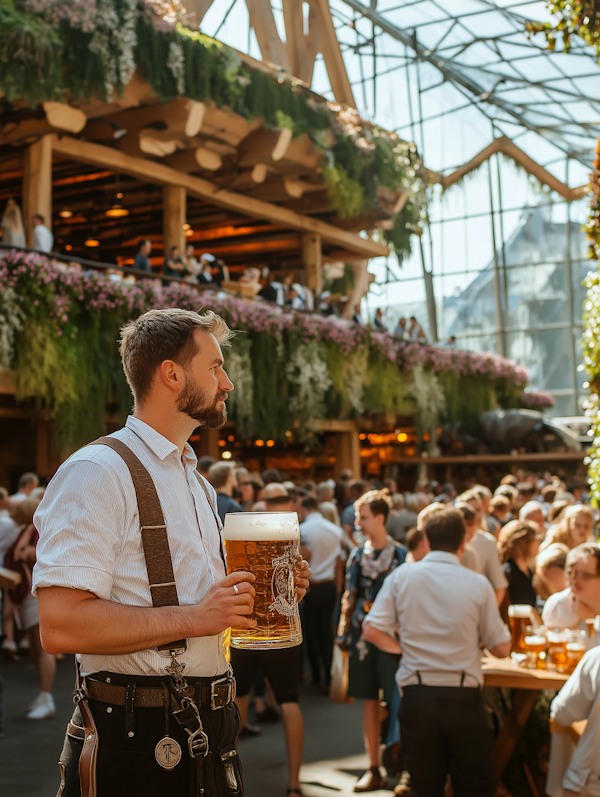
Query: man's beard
[194,402]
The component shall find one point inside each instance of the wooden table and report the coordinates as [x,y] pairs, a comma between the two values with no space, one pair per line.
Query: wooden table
[527,684]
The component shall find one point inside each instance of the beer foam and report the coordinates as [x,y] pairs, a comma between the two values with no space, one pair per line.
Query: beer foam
[261,526]
[521,610]
[535,640]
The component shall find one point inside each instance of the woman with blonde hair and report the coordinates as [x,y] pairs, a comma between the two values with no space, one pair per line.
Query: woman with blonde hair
[550,576]
[518,545]
[574,528]
[13,232]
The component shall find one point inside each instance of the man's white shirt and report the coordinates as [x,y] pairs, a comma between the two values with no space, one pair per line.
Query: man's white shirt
[485,546]
[446,613]
[43,240]
[324,539]
[90,540]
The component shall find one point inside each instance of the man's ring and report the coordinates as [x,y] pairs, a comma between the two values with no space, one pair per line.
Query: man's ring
[235,589]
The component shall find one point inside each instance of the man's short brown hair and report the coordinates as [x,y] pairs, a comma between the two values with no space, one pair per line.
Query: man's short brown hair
[581,553]
[445,530]
[378,500]
[160,335]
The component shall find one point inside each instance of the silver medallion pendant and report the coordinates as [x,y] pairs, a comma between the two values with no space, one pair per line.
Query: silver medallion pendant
[168,753]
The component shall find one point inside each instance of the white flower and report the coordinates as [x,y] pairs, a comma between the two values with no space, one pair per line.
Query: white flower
[308,377]
[176,63]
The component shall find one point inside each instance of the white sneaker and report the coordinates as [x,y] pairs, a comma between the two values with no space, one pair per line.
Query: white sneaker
[35,703]
[44,709]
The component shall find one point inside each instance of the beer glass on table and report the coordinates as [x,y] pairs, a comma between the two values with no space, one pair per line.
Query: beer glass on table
[575,649]
[535,648]
[557,649]
[519,617]
[266,544]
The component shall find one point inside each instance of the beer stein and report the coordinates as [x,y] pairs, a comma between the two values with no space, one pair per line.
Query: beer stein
[266,544]
[535,647]
[557,649]
[575,649]
[519,617]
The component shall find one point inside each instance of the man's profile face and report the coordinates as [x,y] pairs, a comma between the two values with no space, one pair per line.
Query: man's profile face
[206,384]
[585,580]
[366,520]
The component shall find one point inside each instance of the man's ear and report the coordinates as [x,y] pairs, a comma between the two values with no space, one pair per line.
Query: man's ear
[171,375]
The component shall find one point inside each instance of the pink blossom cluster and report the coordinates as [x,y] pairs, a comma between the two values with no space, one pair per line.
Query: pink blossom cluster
[537,399]
[61,295]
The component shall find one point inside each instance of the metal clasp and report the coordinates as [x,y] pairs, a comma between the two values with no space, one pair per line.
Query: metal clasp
[78,696]
[197,740]
[214,695]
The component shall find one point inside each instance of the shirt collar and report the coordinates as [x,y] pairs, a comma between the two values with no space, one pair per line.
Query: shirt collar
[442,556]
[159,445]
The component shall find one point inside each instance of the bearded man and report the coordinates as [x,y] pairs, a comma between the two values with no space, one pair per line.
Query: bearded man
[130,558]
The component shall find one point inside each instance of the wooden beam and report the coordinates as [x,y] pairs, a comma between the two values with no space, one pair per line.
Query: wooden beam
[151,172]
[506,146]
[191,160]
[263,21]
[302,49]
[347,454]
[37,184]
[362,280]
[332,55]
[64,116]
[174,211]
[264,146]
[313,262]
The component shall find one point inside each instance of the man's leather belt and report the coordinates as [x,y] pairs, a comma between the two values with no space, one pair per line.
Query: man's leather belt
[212,696]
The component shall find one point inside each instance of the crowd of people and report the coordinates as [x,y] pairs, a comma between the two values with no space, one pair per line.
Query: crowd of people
[532,541]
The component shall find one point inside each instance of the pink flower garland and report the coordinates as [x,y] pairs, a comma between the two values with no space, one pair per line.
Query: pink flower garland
[58,291]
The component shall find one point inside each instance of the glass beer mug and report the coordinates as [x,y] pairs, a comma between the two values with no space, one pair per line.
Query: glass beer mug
[266,544]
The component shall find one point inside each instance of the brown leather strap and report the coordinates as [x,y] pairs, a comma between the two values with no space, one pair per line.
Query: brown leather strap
[152,521]
[210,696]
[89,752]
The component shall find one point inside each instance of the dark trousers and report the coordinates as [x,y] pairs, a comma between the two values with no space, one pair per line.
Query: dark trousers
[444,732]
[319,604]
[127,766]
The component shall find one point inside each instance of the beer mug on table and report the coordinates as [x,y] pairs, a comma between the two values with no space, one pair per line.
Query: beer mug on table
[519,617]
[267,545]
[557,649]
[575,649]
[535,648]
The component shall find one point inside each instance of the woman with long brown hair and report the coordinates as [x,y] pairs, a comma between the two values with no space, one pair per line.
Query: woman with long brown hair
[518,544]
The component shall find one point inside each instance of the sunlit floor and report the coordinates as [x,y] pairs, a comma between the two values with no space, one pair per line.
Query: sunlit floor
[334,755]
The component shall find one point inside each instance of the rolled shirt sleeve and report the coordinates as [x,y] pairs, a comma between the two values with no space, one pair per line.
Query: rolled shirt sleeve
[383,614]
[78,521]
[492,629]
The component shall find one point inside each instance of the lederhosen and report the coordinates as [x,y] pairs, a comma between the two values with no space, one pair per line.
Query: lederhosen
[164,736]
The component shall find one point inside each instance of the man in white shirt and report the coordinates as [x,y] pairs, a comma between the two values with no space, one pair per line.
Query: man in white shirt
[441,634]
[27,484]
[43,240]
[145,730]
[579,699]
[324,542]
[485,546]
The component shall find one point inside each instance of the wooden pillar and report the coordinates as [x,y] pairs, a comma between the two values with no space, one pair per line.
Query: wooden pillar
[174,213]
[313,262]
[347,454]
[37,184]
[208,445]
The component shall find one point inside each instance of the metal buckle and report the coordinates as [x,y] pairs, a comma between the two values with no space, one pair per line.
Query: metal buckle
[78,696]
[230,682]
[197,740]
[198,743]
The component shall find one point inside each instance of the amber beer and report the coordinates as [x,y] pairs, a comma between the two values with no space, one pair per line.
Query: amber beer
[266,544]
[557,649]
[535,647]
[519,617]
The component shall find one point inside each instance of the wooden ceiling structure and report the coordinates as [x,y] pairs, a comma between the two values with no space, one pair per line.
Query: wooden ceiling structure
[184,171]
